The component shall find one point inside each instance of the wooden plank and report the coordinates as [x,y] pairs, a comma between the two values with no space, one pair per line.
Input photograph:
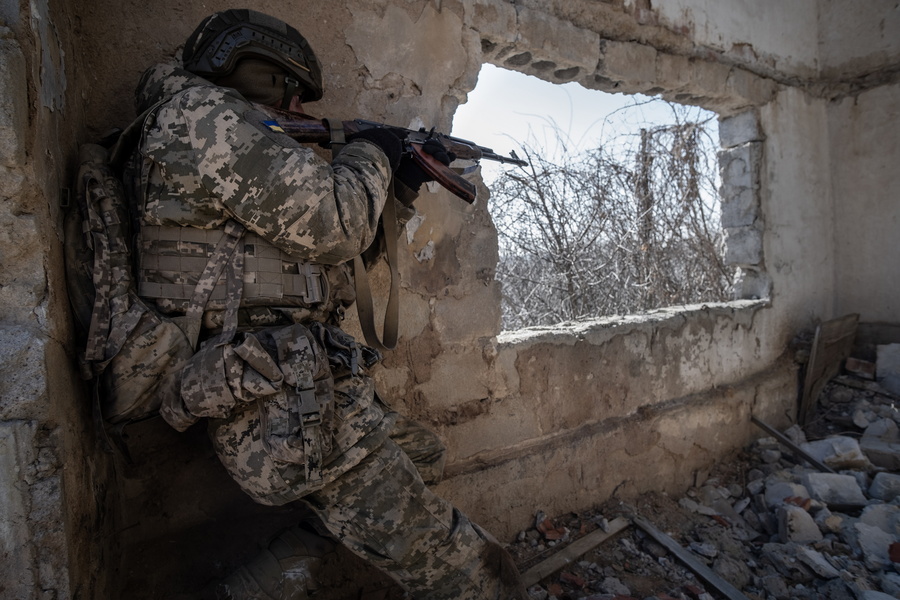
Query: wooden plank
[784,440]
[868,386]
[700,569]
[572,552]
[832,345]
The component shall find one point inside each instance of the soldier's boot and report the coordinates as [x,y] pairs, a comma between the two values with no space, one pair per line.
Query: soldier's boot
[286,570]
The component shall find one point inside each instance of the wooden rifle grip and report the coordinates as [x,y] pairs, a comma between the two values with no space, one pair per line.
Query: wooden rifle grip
[442,174]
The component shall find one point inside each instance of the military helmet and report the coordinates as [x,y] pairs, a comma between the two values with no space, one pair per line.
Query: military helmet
[222,39]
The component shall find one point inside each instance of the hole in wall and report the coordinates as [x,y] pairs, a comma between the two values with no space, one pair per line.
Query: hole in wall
[619,211]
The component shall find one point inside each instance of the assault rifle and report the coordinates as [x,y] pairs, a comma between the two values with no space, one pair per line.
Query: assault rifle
[305,128]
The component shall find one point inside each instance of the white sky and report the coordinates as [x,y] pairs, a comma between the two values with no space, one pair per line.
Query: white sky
[507,107]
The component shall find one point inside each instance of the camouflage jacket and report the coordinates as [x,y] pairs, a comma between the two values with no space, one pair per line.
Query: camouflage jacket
[206,156]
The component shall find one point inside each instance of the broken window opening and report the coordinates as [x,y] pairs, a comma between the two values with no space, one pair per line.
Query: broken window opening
[619,212]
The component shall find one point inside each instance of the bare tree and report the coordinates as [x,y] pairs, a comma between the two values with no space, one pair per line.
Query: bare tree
[621,228]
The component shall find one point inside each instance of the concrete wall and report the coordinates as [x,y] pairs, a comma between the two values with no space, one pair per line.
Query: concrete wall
[547,419]
[864,137]
[56,513]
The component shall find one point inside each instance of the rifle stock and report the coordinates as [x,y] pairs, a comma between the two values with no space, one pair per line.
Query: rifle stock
[309,129]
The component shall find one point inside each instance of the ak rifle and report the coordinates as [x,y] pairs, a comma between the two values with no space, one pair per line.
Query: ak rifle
[309,129]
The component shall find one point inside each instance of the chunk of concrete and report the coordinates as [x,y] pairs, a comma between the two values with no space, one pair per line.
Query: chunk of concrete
[883,429]
[881,453]
[776,492]
[874,595]
[890,583]
[796,525]
[783,558]
[739,129]
[828,522]
[775,586]
[888,361]
[885,517]
[838,452]
[739,170]
[559,40]
[874,544]
[630,63]
[885,487]
[835,489]
[881,444]
[816,561]
[743,246]
[733,571]
[887,368]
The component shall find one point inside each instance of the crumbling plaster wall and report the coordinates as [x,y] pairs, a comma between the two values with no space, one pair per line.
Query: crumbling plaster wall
[553,419]
[864,132]
[55,515]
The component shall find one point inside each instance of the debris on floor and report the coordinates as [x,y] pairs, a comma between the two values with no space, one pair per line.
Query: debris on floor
[769,522]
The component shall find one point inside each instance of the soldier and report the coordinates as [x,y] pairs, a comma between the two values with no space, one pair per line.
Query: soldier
[244,240]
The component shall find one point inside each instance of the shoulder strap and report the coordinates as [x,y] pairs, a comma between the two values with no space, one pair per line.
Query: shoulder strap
[229,253]
[126,142]
[364,294]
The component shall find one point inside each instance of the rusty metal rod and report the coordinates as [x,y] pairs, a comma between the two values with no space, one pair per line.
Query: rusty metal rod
[702,571]
[782,439]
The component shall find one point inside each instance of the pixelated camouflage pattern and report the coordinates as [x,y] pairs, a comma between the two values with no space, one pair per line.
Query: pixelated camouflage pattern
[359,425]
[297,424]
[173,258]
[423,447]
[132,352]
[341,295]
[209,159]
[383,512]
[144,372]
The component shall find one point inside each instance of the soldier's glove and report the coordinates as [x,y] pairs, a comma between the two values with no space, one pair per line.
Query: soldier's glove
[437,150]
[390,142]
[411,175]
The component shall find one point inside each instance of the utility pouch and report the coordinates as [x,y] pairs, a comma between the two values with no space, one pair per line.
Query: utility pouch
[297,422]
[283,370]
[221,375]
[345,355]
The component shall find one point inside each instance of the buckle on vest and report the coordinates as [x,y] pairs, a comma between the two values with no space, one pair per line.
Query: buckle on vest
[314,288]
[310,416]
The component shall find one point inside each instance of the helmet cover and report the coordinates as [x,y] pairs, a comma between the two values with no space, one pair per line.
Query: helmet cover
[222,39]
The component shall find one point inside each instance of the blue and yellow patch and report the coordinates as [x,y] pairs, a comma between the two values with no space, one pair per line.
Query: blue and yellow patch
[274,126]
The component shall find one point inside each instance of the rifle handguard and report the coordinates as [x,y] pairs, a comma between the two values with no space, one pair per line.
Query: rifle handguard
[443,174]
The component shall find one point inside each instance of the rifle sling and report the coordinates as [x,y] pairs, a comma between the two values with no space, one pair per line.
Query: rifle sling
[364,307]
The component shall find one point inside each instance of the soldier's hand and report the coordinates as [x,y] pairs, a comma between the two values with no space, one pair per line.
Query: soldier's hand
[412,175]
[390,142]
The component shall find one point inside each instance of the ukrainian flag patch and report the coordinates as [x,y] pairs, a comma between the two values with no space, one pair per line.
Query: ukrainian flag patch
[274,126]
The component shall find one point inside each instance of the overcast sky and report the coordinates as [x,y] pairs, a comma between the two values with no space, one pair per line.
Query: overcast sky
[507,107]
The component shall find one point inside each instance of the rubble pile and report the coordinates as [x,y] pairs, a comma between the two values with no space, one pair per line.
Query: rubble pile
[768,523]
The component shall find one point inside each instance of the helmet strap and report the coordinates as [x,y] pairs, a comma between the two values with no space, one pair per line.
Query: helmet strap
[290,90]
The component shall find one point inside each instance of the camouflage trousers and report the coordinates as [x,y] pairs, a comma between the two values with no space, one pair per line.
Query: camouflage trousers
[382,511]
[376,503]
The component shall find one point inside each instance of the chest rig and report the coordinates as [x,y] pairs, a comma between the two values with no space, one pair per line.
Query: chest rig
[172,261]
